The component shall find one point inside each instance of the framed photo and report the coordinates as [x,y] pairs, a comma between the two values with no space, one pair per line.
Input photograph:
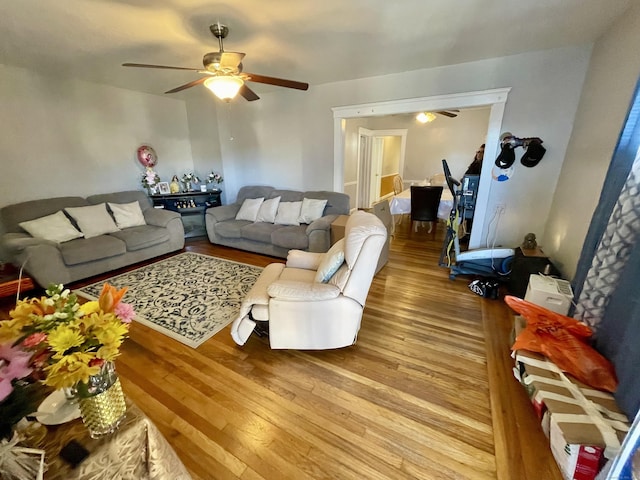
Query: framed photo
[163,188]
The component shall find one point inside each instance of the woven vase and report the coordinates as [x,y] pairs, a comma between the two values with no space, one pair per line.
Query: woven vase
[101,402]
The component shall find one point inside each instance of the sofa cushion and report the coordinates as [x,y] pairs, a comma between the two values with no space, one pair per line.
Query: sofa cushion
[93,220]
[259,231]
[311,210]
[249,209]
[122,197]
[55,228]
[12,215]
[85,250]
[288,213]
[291,237]
[142,236]
[255,191]
[268,210]
[127,214]
[231,228]
[288,195]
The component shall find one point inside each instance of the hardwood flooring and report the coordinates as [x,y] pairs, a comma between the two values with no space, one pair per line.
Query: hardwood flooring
[425,393]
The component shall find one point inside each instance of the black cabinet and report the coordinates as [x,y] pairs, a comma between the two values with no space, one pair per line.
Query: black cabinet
[192,206]
[526,263]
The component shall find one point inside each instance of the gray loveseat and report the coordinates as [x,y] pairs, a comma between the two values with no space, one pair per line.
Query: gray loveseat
[46,261]
[270,238]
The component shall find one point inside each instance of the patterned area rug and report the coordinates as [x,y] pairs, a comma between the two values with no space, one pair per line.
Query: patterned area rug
[189,297]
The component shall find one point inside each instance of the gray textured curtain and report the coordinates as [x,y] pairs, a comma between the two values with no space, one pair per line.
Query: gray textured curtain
[612,253]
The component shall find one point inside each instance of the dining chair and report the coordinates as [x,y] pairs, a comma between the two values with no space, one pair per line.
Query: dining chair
[424,204]
[438,180]
[398,185]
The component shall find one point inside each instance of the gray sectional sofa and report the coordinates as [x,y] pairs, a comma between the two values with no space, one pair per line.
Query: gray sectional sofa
[270,238]
[47,261]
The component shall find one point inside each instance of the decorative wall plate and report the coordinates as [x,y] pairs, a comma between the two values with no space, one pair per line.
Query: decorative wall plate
[147,156]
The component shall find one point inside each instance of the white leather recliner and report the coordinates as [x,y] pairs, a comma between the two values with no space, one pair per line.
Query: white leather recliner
[304,313]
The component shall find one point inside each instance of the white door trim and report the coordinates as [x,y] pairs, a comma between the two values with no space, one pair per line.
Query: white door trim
[496,98]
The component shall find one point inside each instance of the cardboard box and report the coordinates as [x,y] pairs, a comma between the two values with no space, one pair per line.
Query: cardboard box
[584,425]
[337,228]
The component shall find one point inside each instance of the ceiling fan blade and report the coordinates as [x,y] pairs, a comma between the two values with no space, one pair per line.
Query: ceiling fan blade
[248,94]
[280,82]
[187,85]
[144,65]
[447,114]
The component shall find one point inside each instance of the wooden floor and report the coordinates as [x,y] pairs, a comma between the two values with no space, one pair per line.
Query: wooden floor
[426,392]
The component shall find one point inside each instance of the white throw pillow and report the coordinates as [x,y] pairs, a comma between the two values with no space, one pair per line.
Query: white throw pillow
[93,220]
[127,214]
[288,213]
[249,209]
[55,228]
[331,262]
[311,209]
[268,210]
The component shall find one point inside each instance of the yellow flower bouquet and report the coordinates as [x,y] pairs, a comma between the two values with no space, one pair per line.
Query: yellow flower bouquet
[68,342]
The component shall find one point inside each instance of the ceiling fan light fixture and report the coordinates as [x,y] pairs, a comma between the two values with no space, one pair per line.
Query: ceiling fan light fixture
[425,117]
[225,87]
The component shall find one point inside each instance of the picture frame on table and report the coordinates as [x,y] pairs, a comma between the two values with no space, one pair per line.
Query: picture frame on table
[163,188]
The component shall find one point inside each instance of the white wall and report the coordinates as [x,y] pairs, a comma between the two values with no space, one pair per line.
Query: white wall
[286,138]
[204,135]
[66,137]
[612,76]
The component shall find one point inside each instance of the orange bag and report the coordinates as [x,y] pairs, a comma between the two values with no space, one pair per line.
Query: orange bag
[563,341]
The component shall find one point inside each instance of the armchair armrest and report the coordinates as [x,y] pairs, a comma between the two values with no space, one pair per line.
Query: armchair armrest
[304,260]
[223,212]
[159,217]
[302,291]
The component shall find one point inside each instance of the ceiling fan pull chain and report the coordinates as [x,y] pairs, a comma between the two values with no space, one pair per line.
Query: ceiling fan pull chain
[229,121]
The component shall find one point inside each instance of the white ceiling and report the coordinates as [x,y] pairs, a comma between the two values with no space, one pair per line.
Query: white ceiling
[316,41]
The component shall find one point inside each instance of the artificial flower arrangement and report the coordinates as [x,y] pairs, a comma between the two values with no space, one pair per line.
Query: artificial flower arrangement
[188,180]
[57,342]
[150,178]
[214,177]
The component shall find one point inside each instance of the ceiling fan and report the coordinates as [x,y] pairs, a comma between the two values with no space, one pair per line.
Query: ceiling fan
[223,72]
[426,117]
[449,113]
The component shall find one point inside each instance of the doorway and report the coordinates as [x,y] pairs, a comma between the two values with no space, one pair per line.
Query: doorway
[495,99]
[380,157]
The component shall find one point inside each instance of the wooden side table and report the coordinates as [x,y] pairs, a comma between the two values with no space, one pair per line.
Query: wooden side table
[10,281]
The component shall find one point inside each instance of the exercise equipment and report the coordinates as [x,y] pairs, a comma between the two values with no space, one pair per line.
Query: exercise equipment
[486,262]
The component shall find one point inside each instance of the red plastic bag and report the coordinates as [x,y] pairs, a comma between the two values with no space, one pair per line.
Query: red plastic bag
[563,341]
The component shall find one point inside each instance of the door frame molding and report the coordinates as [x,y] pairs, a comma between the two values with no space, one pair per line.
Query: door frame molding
[496,98]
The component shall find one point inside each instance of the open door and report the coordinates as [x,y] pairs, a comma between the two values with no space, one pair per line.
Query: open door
[380,157]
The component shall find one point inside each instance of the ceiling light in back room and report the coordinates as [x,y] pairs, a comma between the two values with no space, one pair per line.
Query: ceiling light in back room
[425,117]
